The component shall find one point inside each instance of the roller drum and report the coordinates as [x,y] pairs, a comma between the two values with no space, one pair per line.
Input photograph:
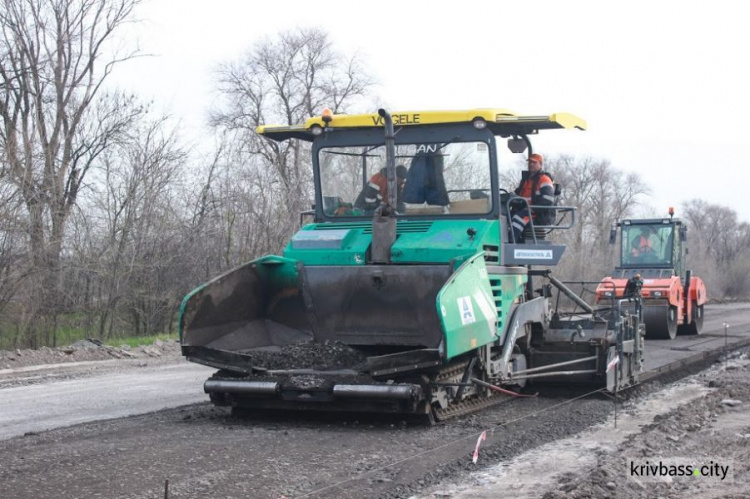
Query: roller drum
[695,326]
[660,321]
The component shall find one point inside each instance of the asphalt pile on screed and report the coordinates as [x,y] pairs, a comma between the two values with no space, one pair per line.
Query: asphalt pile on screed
[326,355]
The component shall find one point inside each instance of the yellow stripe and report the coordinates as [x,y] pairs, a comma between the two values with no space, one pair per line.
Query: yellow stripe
[408,118]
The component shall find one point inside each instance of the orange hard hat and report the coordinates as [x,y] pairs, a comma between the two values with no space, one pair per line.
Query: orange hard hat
[536,157]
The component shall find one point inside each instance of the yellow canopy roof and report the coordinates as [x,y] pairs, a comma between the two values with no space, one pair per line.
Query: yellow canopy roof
[499,121]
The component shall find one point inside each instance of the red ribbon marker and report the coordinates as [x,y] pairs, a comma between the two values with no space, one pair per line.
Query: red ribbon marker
[613,363]
[481,438]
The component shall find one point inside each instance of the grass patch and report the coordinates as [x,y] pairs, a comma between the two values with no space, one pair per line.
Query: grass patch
[134,341]
[74,327]
[67,334]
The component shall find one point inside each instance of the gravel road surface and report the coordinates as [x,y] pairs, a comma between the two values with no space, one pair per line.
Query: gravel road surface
[204,452]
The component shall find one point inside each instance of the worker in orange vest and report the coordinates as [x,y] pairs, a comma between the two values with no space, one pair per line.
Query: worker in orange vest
[537,188]
[376,191]
[641,244]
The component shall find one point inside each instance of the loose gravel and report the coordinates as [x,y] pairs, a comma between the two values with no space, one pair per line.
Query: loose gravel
[328,355]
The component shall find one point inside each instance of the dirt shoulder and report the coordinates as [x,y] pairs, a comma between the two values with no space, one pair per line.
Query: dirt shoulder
[83,360]
[84,351]
[712,431]
[703,420]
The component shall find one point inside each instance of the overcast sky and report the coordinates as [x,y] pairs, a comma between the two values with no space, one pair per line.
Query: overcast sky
[663,85]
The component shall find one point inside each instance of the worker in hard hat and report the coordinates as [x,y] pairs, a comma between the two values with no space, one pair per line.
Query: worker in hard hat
[537,188]
[376,191]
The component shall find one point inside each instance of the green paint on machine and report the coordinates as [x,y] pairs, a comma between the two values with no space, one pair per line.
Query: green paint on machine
[472,305]
[433,241]
[467,308]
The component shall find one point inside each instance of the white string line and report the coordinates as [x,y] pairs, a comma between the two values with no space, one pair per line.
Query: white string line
[429,451]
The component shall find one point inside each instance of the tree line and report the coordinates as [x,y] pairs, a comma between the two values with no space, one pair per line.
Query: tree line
[108,218]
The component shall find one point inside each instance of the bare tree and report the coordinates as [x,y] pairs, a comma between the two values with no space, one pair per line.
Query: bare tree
[719,248]
[101,222]
[139,185]
[602,195]
[55,120]
[12,249]
[284,80]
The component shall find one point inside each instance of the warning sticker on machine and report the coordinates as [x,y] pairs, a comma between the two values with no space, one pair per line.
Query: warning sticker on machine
[533,254]
[484,306]
[466,310]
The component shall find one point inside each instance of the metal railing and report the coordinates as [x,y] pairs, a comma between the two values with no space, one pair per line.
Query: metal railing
[560,215]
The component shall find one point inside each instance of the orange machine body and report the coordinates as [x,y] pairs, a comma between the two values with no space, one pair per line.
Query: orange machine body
[660,290]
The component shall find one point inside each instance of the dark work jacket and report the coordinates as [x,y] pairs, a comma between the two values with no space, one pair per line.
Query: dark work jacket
[425,182]
[539,190]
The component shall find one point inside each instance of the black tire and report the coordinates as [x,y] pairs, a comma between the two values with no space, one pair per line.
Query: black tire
[660,321]
[696,325]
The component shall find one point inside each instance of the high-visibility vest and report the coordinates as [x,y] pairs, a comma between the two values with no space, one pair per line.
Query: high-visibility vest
[373,193]
[537,189]
[641,244]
